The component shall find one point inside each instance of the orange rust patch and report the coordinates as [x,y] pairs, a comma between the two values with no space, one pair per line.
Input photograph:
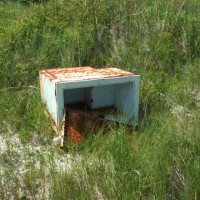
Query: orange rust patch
[83,73]
[74,136]
[53,124]
[79,122]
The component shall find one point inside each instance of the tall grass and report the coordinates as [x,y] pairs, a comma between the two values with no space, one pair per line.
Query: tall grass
[159,40]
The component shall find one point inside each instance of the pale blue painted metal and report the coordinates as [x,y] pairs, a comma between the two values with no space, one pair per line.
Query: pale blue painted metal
[120,90]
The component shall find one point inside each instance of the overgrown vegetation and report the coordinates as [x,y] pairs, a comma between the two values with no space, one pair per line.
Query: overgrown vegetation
[160,40]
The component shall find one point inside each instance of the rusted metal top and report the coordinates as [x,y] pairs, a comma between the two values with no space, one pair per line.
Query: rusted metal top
[83,73]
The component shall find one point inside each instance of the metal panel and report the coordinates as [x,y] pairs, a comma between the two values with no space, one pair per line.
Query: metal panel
[100,96]
[48,93]
[74,95]
[97,82]
[83,73]
[124,100]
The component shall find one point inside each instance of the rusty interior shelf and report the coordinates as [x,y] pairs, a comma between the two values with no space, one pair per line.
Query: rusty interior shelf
[81,119]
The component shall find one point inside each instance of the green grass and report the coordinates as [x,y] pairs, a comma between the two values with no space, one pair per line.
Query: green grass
[159,40]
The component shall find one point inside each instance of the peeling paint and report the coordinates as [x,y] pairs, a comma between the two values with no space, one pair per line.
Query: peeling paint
[82,73]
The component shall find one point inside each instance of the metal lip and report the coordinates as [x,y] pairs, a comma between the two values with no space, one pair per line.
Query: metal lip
[75,74]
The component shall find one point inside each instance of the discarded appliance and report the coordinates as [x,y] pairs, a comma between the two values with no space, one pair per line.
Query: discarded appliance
[112,92]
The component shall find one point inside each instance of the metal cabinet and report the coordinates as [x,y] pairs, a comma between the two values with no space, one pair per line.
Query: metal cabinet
[97,87]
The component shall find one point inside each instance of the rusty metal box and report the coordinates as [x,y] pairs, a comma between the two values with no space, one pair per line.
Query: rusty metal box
[97,87]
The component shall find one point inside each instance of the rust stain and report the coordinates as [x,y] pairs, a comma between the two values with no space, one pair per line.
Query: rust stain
[83,73]
[75,124]
[63,129]
[78,123]
[53,124]
[74,136]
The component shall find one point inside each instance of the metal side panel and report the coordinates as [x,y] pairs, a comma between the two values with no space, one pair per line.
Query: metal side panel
[127,100]
[101,96]
[48,94]
[74,95]
[60,105]
[136,93]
